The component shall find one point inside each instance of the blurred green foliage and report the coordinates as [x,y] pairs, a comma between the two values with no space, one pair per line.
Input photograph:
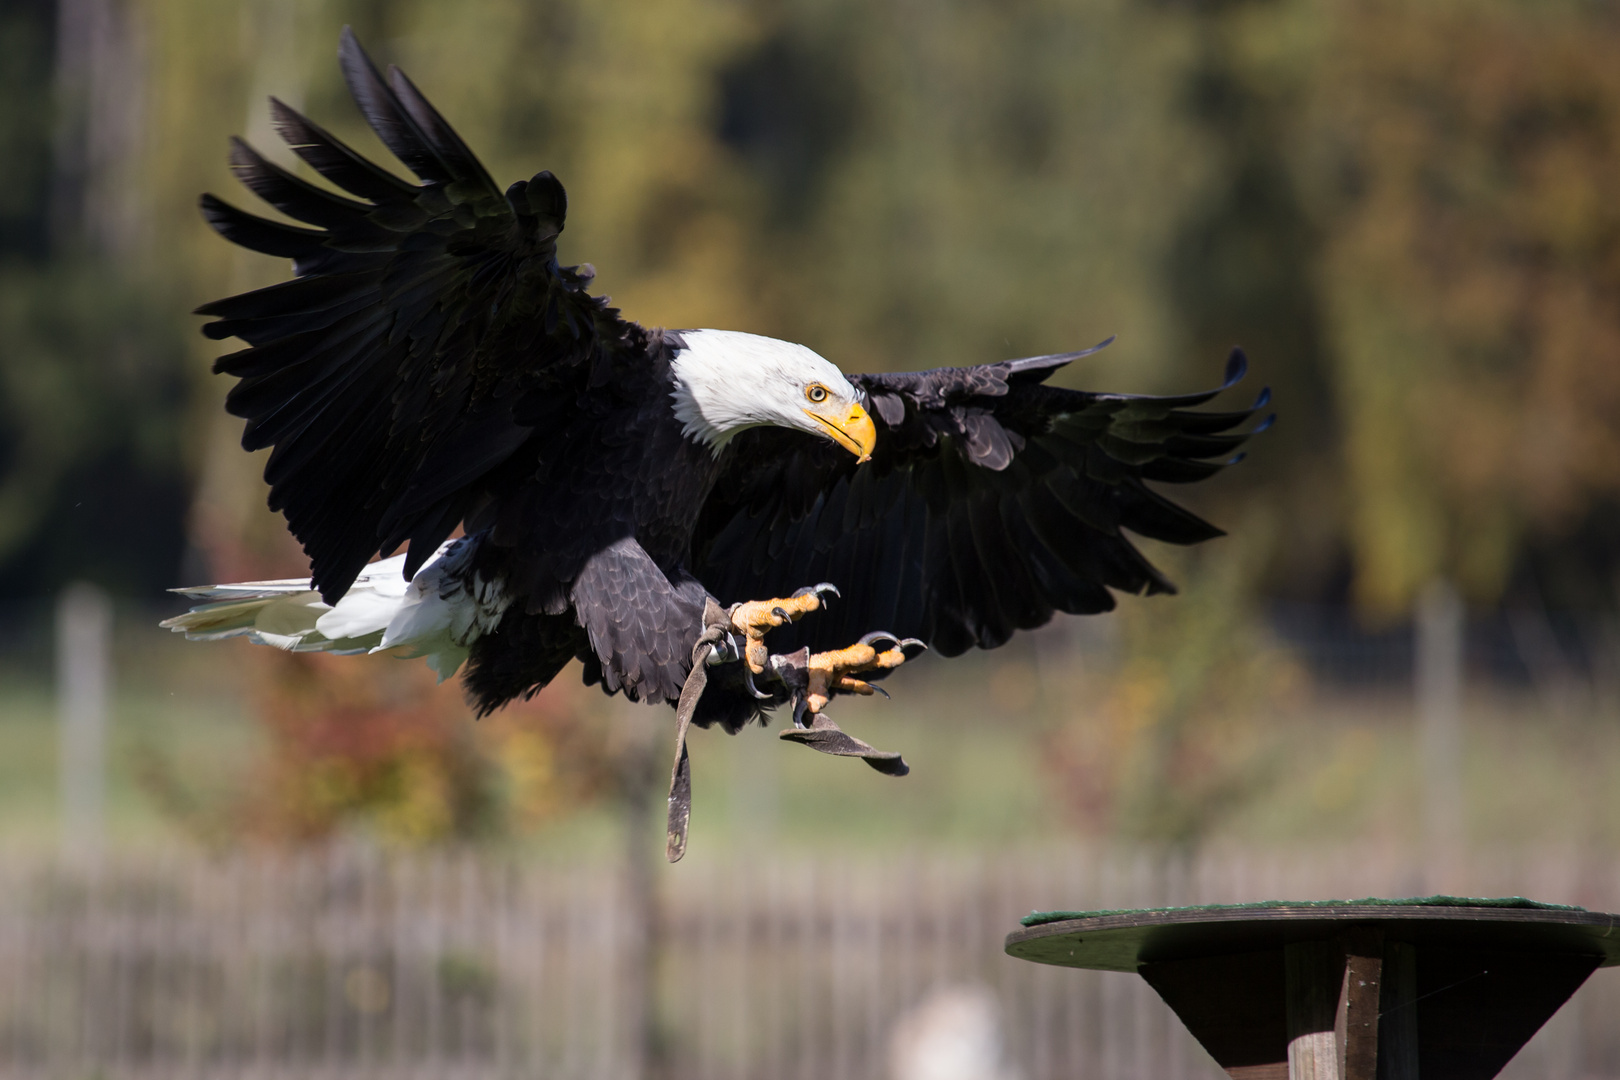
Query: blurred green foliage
[1405,214]
[25,126]
[1467,159]
[91,392]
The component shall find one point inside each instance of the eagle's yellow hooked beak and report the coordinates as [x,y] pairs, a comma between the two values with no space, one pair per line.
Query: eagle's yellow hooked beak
[850,428]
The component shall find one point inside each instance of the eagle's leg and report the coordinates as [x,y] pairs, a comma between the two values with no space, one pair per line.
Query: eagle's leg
[753,618]
[834,672]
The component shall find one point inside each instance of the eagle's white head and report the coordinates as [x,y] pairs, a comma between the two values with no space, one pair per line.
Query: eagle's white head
[726,382]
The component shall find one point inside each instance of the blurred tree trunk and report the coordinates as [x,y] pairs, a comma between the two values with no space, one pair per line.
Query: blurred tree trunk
[101,97]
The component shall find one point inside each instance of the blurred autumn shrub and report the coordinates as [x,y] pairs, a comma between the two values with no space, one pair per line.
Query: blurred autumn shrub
[371,745]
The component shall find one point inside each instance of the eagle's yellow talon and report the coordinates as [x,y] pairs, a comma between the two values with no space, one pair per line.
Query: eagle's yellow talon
[753,618]
[833,672]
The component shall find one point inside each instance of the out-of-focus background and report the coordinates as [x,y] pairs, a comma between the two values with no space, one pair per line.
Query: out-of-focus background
[1400,674]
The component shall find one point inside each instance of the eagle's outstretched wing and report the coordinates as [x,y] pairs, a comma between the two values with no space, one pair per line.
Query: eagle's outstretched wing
[428,332]
[990,502]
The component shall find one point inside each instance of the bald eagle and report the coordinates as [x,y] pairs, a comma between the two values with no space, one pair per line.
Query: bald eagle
[634,498]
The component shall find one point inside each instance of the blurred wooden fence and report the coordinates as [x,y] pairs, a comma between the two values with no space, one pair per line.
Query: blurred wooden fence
[351,964]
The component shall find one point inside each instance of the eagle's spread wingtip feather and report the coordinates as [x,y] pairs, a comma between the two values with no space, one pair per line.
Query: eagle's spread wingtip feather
[384,113]
[1237,366]
[292,195]
[446,144]
[256,233]
[335,160]
[1055,360]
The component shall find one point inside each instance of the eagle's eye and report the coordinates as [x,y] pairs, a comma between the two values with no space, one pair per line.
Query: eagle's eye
[816,393]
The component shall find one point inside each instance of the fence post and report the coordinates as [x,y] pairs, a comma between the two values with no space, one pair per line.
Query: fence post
[641,929]
[1439,673]
[83,678]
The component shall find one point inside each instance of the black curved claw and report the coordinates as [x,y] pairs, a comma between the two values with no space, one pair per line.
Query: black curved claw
[880,690]
[879,635]
[824,588]
[748,680]
[780,614]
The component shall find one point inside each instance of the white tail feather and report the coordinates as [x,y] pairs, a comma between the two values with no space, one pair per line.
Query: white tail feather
[437,615]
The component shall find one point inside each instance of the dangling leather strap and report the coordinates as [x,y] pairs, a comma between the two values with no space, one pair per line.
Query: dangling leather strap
[715,624]
[821,733]
[829,738]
